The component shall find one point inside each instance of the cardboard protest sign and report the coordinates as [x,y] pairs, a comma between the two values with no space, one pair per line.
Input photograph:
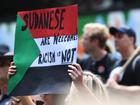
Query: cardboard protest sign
[45,43]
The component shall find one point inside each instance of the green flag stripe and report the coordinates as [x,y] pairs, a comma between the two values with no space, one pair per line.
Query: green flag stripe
[25,52]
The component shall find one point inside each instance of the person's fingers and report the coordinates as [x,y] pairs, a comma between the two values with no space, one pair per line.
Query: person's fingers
[78,67]
[13,103]
[12,63]
[11,70]
[73,73]
[12,67]
[73,78]
[75,69]
[10,73]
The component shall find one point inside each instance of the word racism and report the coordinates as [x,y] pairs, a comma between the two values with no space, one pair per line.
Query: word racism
[52,20]
[66,56]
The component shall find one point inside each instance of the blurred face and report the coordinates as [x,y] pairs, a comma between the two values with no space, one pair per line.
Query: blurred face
[85,41]
[3,75]
[94,44]
[88,44]
[122,42]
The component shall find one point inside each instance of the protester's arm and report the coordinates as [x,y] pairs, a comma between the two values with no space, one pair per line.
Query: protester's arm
[112,84]
[116,76]
[25,100]
[76,73]
[131,89]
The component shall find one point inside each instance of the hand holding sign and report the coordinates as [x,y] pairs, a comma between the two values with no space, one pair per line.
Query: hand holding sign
[45,43]
[76,73]
[11,70]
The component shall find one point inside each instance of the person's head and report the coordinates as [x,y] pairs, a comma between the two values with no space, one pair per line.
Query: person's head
[4,65]
[125,38]
[94,84]
[53,99]
[85,38]
[95,36]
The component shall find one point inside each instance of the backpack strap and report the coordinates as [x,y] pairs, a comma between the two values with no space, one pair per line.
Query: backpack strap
[135,61]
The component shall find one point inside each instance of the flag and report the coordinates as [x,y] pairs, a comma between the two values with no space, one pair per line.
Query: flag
[45,43]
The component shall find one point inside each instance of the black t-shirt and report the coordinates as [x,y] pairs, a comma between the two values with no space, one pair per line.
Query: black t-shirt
[131,75]
[101,68]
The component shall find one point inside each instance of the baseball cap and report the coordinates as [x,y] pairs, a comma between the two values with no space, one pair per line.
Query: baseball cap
[6,59]
[7,56]
[4,53]
[3,49]
[128,31]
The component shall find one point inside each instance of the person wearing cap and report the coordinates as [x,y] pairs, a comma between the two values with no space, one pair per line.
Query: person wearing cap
[4,64]
[129,80]
[3,49]
[99,61]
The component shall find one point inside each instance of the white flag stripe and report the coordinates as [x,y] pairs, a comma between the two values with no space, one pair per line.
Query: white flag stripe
[51,55]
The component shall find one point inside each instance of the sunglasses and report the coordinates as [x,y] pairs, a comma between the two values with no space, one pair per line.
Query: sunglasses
[119,35]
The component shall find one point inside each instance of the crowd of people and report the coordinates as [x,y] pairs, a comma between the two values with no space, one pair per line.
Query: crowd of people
[100,70]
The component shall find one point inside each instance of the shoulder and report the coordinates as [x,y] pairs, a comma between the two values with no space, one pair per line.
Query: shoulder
[115,56]
[113,59]
[85,62]
[87,58]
